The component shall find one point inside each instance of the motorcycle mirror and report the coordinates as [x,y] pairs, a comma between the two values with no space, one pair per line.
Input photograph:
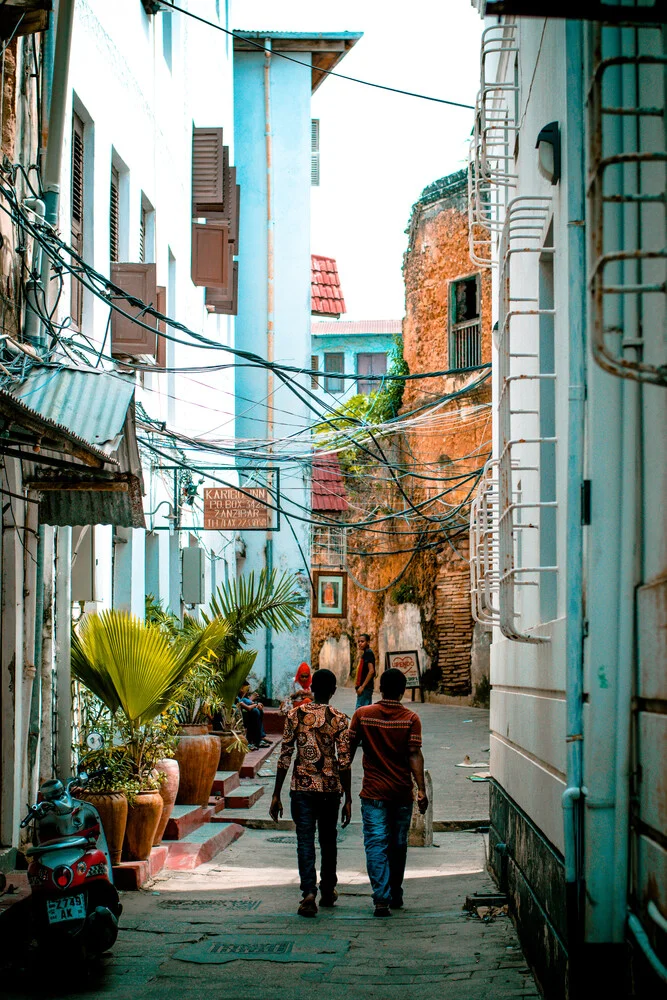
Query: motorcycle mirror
[94,741]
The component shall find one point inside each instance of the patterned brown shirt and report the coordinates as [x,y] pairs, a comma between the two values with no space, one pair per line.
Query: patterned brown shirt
[320,735]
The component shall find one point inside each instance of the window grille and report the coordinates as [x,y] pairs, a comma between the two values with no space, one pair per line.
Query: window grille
[328,546]
[521,438]
[627,232]
[142,235]
[76,306]
[370,364]
[314,364]
[114,216]
[484,584]
[315,152]
[334,363]
[465,332]
[491,155]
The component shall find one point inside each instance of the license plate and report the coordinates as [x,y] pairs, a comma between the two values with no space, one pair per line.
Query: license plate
[70,908]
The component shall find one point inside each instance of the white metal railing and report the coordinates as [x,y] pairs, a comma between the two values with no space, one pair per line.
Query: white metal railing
[466,344]
[628,204]
[484,580]
[491,157]
[328,546]
[519,425]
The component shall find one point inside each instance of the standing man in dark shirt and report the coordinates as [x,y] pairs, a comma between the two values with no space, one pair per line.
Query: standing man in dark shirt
[391,737]
[321,775]
[365,671]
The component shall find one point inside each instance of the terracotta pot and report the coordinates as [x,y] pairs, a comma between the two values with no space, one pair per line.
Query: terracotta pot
[197,753]
[230,760]
[142,820]
[168,790]
[112,807]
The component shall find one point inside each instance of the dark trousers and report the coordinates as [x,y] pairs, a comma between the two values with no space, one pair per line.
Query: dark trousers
[311,810]
[253,720]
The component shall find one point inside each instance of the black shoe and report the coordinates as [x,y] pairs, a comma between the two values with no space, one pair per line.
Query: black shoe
[308,906]
[395,904]
[328,898]
[382,910]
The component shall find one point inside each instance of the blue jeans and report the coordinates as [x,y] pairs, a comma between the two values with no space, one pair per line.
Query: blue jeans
[386,827]
[365,698]
[311,810]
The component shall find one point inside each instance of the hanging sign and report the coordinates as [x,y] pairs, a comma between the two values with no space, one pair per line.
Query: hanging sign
[227,509]
[407,663]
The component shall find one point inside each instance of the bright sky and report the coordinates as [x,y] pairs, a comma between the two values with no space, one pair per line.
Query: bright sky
[379,150]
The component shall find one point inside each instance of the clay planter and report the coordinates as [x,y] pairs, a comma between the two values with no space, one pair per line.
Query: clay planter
[142,820]
[230,760]
[168,790]
[197,753]
[112,807]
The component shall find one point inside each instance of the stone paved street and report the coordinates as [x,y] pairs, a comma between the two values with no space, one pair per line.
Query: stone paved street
[230,927]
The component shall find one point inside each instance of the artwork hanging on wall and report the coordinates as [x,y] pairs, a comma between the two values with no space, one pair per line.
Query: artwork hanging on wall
[330,594]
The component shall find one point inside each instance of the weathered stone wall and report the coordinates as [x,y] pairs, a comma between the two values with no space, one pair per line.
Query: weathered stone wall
[427,605]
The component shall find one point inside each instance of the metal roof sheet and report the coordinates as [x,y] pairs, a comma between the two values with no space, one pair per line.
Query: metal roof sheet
[90,404]
[328,488]
[347,327]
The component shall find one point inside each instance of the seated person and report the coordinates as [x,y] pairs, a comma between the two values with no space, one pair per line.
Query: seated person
[252,712]
[300,691]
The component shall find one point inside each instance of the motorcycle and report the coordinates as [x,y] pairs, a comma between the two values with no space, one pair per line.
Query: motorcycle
[73,901]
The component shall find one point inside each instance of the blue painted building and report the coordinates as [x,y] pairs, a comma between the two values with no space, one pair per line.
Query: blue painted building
[362,347]
[272,124]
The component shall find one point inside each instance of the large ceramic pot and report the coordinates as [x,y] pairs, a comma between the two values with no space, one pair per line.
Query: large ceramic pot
[168,790]
[143,817]
[230,760]
[197,753]
[112,807]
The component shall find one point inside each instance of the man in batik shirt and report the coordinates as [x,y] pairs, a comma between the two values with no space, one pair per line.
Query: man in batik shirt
[321,776]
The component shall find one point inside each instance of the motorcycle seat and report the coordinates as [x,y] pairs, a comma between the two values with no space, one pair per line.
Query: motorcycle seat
[58,844]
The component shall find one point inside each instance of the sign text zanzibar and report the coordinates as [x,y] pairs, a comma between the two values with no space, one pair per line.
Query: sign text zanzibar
[228,509]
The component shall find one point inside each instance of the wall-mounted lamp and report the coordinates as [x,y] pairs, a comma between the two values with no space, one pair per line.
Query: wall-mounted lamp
[548,152]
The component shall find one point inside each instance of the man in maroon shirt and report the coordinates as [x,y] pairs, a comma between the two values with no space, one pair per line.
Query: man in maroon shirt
[391,737]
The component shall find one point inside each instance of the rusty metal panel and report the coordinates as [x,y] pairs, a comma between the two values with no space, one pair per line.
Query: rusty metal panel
[210,254]
[653,759]
[207,171]
[127,337]
[652,628]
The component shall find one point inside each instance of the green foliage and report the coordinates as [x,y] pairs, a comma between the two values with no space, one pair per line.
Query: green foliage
[404,593]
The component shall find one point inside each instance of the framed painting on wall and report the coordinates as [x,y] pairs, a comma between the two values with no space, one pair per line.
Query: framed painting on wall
[330,594]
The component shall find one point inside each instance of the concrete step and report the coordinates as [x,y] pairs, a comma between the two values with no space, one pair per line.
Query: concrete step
[131,875]
[185,819]
[225,782]
[256,759]
[202,844]
[244,796]
[217,803]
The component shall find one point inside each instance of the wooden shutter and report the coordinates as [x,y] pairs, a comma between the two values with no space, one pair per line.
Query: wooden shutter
[370,364]
[314,364]
[315,152]
[128,339]
[224,302]
[161,356]
[207,171]
[334,363]
[114,215]
[210,254]
[76,306]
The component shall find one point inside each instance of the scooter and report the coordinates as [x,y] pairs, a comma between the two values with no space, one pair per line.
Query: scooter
[73,901]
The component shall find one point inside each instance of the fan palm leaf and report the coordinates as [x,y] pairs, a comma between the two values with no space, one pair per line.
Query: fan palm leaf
[252,602]
[133,667]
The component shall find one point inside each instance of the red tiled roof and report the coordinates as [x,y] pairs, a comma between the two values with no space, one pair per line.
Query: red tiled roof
[328,488]
[326,293]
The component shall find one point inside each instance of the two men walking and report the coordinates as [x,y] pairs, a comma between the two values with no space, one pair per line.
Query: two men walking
[390,737]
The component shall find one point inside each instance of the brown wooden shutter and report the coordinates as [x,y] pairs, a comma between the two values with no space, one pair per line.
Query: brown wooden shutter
[225,302]
[128,338]
[161,356]
[210,254]
[76,306]
[314,364]
[207,171]
[114,215]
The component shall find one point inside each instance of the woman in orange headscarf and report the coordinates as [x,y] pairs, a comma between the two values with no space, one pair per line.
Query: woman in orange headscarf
[300,691]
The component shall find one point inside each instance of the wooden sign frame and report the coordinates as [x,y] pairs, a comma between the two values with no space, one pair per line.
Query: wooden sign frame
[410,685]
[323,576]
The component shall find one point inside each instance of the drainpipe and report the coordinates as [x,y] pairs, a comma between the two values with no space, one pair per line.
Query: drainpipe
[58,103]
[63,678]
[574,794]
[36,700]
[32,325]
[270,320]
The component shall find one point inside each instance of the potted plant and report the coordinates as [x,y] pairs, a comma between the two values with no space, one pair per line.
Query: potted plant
[135,669]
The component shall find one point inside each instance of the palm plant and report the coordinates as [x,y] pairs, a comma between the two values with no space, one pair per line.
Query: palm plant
[245,605]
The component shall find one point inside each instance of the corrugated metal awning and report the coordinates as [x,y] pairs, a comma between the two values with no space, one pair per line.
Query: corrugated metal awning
[98,409]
